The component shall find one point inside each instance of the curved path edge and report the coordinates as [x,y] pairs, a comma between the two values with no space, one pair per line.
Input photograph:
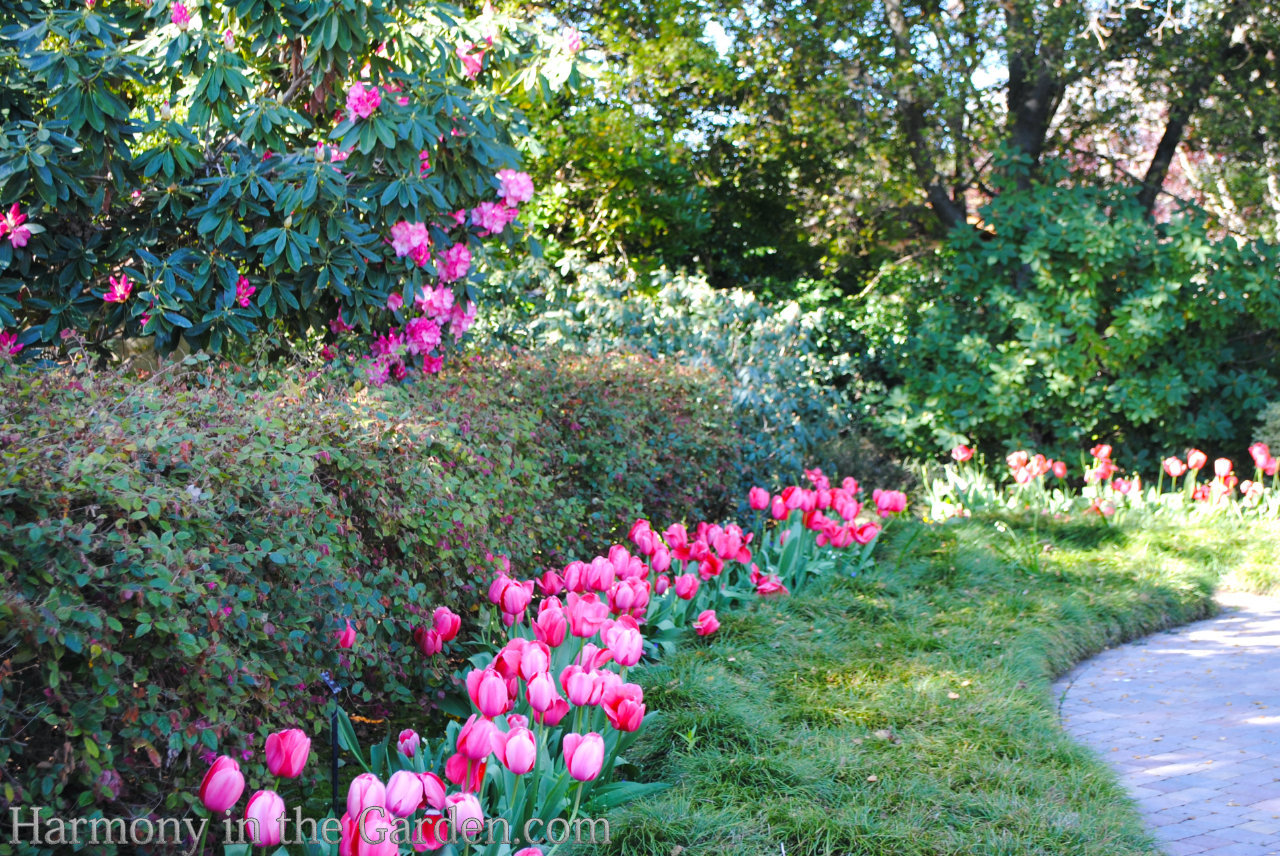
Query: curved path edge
[1190,721]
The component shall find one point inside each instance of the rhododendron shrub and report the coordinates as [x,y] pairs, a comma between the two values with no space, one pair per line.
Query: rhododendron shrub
[200,171]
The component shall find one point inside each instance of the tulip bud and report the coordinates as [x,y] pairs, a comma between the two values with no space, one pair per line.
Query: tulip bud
[347,637]
[408,742]
[521,751]
[433,790]
[263,814]
[706,623]
[366,790]
[222,785]
[404,793]
[446,622]
[465,814]
[584,755]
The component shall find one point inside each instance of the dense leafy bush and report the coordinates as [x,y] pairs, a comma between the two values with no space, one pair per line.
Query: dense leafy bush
[178,553]
[189,170]
[788,379]
[1079,320]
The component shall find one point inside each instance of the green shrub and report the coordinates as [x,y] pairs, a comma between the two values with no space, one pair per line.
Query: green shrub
[1078,321]
[787,380]
[1269,426]
[178,552]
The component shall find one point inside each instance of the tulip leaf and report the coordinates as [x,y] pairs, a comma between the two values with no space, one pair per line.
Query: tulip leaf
[614,794]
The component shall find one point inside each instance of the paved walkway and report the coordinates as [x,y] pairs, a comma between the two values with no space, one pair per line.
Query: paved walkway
[1190,720]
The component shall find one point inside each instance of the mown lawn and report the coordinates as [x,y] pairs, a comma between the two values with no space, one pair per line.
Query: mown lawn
[909,711]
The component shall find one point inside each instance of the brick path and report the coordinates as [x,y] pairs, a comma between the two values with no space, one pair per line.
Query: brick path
[1190,721]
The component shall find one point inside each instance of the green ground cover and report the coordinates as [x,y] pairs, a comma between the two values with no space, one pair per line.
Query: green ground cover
[909,711]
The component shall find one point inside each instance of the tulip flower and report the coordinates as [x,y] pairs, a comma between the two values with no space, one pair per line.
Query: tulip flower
[408,742]
[584,755]
[287,752]
[446,622]
[866,533]
[586,613]
[1060,469]
[771,585]
[429,641]
[1222,468]
[433,790]
[465,814]
[222,785]
[550,627]
[534,660]
[464,772]
[476,739]
[1260,453]
[550,583]
[889,501]
[553,715]
[375,834]
[431,834]
[529,851]
[366,790]
[778,509]
[264,814]
[624,642]
[1101,452]
[521,751]
[661,584]
[404,793]
[961,453]
[580,685]
[686,586]
[706,623]
[1197,459]
[541,692]
[758,498]
[488,692]
[624,706]
[347,637]
[1175,467]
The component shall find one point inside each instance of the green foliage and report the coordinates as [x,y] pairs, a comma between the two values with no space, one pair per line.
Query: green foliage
[786,376]
[1269,426]
[1078,320]
[248,173]
[178,552]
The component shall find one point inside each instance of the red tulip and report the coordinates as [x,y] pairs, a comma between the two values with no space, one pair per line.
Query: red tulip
[866,533]
[961,453]
[1260,454]
[287,753]
[1270,466]
[446,622]
[464,772]
[521,751]
[1102,452]
[431,834]
[1175,467]
[1060,469]
[584,755]
[263,814]
[404,793]
[1196,459]
[778,508]
[1017,459]
[706,623]
[347,637]
[222,785]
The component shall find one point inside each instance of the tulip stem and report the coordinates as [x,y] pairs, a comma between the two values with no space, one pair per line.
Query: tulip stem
[572,816]
[204,831]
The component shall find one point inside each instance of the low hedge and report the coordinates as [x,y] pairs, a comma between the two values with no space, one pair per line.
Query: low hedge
[177,552]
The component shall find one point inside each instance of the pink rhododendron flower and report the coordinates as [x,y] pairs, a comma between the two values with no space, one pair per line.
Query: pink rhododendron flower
[436,303]
[9,343]
[424,162]
[456,263]
[571,40]
[339,325]
[492,217]
[362,102]
[472,60]
[120,289]
[432,364]
[461,319]
[422,335]
[395,301]
[514,187]
[180,17]
[11,224]
[244,291]
[228,39]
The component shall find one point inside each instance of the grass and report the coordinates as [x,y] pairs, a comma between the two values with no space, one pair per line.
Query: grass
[910,711]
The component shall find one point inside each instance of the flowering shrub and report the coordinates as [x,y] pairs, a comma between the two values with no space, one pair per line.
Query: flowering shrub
[1040,485]
[549,711]
[179,552]
[192,170]
[787,387]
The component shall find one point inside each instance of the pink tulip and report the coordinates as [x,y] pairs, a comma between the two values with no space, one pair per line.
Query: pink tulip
[347,637]
[1174,467]
[584,755]
[408,742]
[686,586]
[778,508]
[535,660]
[580,685]
[961,453]
[516,596]
[465,813]
[476,739]
[464,772]
[222,785]
[1121,485]
[771,585]
[521,751]
[600,574]
[375,834]
[1060,469]
[624,641]
[431,834]
[287,752]
[1270,466]
[1222,468]
[366,790]
[758,498]
[550,627]
[1101,452]
[404,793]
[349,835]
[661,584]
[553,715]
[706,623]
[529,851]
[433,790]
[586,613]
[488,691]
[1196,459]
[541,692]
[264,813]
[623,704]
[550,583]
[889,501]
[429,641]
[446,622]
